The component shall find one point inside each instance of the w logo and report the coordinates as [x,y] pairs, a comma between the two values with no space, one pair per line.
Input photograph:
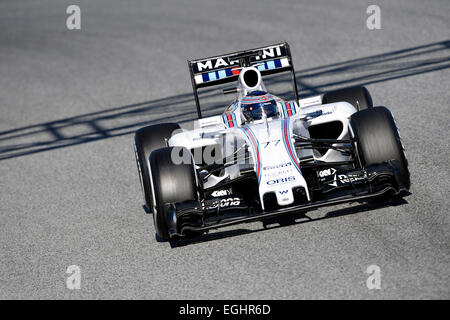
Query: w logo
[283,191]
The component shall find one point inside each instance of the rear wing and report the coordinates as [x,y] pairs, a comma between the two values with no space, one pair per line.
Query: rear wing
[212,71]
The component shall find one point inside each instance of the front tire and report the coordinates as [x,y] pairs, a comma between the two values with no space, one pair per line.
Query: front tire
[146,140]
[377,140]
[358,96]
[171,183]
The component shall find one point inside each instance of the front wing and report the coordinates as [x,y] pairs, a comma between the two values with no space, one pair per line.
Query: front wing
[195,216]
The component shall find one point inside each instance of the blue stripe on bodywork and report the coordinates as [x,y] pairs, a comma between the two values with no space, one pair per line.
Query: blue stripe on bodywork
[268,65]
[293,107]
[212,76]
[222,74]
[288,143]
[283,107]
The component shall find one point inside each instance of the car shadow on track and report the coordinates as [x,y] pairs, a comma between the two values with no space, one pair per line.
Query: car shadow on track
[124,120]
[289,220]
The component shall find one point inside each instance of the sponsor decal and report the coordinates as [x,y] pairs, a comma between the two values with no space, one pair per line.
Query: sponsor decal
[345,179]
[223,62]
[229,202]
[282,165]
[273,143]
[317,113]
[281,180]
[215,64]
[327,172]
[220,193]
[225,203]
[278,173]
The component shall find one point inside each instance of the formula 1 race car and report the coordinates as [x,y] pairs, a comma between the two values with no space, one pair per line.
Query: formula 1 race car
[265,156]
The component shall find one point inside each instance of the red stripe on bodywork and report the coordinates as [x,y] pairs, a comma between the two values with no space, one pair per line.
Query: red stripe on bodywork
[288,144]
[287,140]
[288,106]
[230,120]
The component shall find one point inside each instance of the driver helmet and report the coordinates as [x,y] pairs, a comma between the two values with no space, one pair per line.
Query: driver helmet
[256,103]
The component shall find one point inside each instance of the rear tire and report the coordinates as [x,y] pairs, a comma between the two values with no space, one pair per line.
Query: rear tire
[146,140]
[377,140]
[171,183]
[358,96]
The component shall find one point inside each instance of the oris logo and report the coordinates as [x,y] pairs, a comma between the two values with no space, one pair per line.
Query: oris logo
[281,180]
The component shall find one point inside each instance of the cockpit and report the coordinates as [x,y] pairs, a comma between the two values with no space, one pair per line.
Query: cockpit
[258,104]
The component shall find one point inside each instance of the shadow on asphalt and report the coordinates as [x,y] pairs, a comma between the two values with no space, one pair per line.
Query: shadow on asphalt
[289,220]
[127,119]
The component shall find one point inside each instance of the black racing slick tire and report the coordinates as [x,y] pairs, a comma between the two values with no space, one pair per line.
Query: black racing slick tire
[358,96]
[171,183]
[377,140]
[146,140]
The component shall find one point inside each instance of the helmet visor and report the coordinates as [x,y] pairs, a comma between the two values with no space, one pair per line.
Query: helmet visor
[254,111]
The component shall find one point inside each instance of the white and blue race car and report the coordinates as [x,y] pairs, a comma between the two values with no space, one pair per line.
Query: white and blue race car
[265,156]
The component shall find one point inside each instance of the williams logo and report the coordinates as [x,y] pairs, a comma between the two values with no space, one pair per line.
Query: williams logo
[283,165]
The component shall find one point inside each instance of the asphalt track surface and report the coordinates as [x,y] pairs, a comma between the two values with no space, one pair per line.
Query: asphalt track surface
[70,102]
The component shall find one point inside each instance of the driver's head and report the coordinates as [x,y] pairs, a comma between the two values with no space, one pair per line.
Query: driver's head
[256,103]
